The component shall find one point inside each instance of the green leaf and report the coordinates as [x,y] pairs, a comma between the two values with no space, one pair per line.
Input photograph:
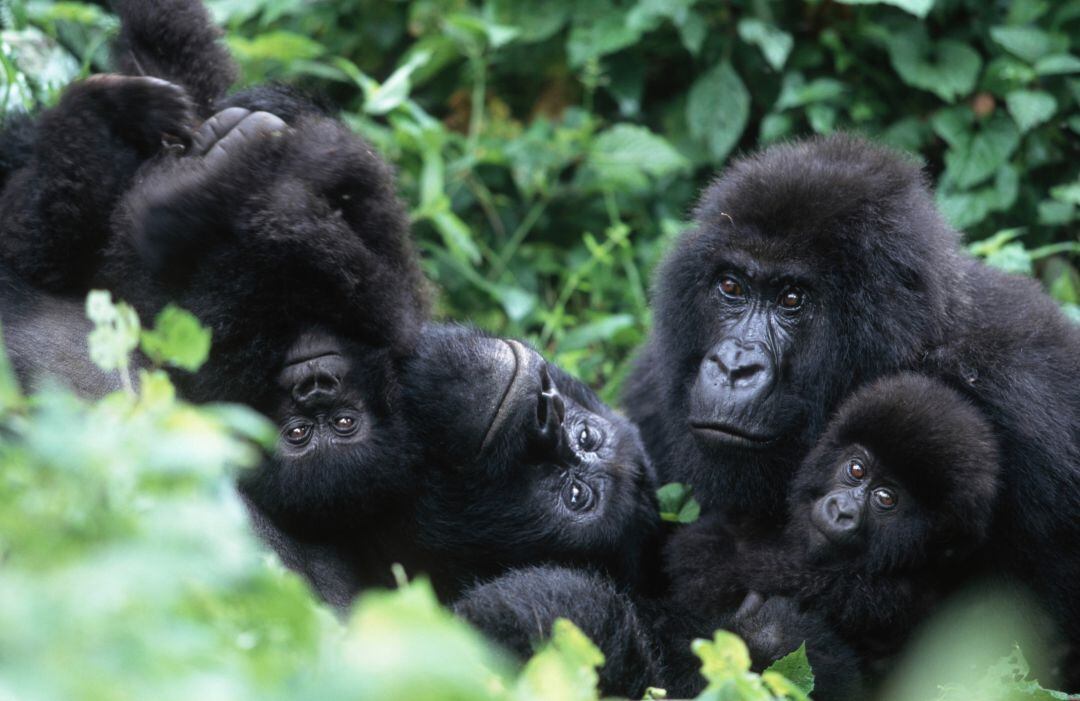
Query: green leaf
[177,339]
[536,20]
[974,159]
[455,234]
[599,29]
[1067,193]
[774,43]
[919,8]
[380,99]
[1030,108]
[564,669]
[946,68]
[1029,43]
[1054,213]
[795,667]
[722,658]
[623,154]
[677,503]
[602,329]
[796,92]
[116,331]
[717,110]
[280,46]
[1057,64]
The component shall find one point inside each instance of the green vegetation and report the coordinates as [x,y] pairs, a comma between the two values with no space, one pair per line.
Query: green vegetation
[549,151]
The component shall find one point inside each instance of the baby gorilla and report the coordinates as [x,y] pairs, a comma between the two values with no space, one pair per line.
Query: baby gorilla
[883,512]
[522,465]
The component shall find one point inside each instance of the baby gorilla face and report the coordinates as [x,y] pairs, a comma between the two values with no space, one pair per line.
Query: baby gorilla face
[526,464]
[342,449]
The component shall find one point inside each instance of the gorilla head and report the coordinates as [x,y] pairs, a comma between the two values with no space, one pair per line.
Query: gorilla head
[805,275]
[523,464]
[905,477]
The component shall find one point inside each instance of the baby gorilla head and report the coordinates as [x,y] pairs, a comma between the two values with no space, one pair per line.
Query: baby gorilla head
[342,451]
[906,472]
[523,464]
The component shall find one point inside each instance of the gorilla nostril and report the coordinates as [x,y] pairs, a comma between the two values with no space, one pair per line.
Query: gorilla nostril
[560,408]
[316,385]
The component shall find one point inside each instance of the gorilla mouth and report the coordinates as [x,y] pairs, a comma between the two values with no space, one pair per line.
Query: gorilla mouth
[714,432]
[513,389]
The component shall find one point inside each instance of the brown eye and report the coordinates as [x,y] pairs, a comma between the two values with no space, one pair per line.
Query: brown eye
[791,299]
[856,470]
[298,434]
[885,498]
[344,424]
[731,287]
[589,439]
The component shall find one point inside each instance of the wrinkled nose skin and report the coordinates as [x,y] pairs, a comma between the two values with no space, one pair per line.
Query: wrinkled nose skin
[745,366]
[318,385]
[839,515]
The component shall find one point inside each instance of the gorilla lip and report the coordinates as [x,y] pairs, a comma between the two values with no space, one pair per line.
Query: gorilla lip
[724,433]
[502,411]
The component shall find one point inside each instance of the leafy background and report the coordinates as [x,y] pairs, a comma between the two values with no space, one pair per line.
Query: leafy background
[549,151]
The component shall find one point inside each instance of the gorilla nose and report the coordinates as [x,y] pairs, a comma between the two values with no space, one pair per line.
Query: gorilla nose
[743,363]
[316,387]
[841,514]
[550,411]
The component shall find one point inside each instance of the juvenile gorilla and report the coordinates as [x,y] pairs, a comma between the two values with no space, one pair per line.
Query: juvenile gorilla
[522,465]
[884,514]
[815,267]
[287,240]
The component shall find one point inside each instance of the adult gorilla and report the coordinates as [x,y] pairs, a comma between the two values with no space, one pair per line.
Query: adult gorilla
[815,267]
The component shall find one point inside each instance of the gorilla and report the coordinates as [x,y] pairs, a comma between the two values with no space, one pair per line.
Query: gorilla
[522,464]
[884,514]
[815,267]
[285,238]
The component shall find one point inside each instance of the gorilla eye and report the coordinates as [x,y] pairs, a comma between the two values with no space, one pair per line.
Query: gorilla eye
[298,434]
[730,286]
[856,470]
[577,496]
[885,498]
[589,439]
[791,299]
[344,424]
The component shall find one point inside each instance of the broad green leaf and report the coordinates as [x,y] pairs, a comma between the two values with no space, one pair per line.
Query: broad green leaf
[919,8]
[596,331]
[564,670]
[623,154]
[973,160]
[536,20]
[796,92]
[774,43]
[1054,213]
[1029,43]
[795,667]
[1062,280]
[599,28]
[717,110]
[946,68]
[677,503]
[280,45]
[455,235]
[1058,64]
[1030,108]
[723,657]
[1067,193]
[177,339]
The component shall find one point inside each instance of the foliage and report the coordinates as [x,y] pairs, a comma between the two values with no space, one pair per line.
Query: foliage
[551,150]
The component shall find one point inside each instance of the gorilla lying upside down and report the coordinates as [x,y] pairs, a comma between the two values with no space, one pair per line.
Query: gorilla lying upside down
[287,240]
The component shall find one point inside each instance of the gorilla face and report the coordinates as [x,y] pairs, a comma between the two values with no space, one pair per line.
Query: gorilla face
[905,473]
[524,463]
[343,453]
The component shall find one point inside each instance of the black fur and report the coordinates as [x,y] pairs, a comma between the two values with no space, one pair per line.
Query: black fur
[887,568]
[887,287]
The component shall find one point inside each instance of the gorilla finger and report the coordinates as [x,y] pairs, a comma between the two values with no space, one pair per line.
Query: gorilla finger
[254,126]
[214,129]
